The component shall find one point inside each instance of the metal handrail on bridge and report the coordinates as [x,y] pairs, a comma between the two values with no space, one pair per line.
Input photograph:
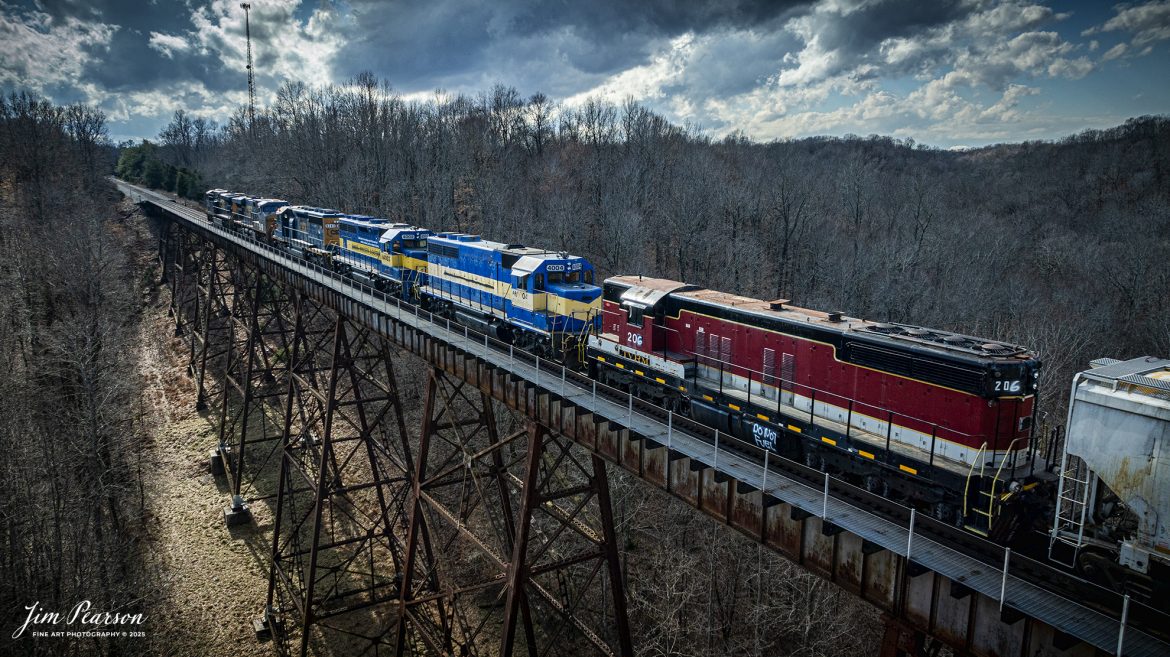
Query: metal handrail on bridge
[1014,580]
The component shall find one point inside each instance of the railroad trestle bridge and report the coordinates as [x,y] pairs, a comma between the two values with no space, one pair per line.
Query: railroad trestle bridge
[434,491]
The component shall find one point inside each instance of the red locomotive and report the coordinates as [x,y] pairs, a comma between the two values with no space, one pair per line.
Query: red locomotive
[936,418]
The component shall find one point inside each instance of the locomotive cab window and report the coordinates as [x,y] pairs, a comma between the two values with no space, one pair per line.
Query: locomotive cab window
[634,314]
[589,277]
[538,286]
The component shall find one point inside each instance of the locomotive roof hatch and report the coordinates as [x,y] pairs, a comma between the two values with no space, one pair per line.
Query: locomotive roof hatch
[649,292]
[534,258]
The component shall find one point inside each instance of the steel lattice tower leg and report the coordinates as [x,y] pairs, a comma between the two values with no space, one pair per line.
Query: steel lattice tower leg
[335,552]
[519,529]
[254,385]
[214,308]
[183,253]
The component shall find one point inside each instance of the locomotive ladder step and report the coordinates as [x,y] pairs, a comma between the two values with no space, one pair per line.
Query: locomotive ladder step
[1068,541]
[973,528]
[982,512]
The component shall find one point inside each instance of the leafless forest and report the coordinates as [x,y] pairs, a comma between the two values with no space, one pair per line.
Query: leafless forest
[1058,246]
[70,495]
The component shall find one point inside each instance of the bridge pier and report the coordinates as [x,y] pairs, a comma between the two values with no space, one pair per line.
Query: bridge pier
[252,389]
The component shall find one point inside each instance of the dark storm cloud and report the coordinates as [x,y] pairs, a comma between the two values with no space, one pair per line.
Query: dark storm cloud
[129,63]
[854,36]
[657,18]
[557,46]
[143,15]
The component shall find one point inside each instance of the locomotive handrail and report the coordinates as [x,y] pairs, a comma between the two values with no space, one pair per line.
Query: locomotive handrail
[940,534]
[970,473]
[994,481]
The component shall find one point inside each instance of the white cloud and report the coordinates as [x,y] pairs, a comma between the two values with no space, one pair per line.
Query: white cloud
[168,44]
[39,52]
[1005,109]
[1114,52]
[190,95]
[646,81]
[1148,23]
[282,46]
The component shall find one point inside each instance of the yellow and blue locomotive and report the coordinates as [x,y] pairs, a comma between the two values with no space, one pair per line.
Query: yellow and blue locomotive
[539,300]
[388,256]
[309,232]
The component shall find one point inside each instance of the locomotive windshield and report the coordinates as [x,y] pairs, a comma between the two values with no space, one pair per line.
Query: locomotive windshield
[564,277]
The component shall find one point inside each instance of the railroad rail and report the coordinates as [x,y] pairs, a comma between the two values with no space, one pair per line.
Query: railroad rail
[937,580]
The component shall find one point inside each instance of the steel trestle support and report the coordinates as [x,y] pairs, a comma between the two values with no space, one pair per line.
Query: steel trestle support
[550,545]
[468,530]
[336,553]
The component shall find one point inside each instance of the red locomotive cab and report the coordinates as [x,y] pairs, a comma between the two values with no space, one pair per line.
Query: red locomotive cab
[634,313]
[637,331]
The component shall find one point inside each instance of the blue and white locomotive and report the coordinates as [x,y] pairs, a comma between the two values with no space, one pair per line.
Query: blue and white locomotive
[543,301]
[242,212]
[539,300]
[388,256]
[310,232]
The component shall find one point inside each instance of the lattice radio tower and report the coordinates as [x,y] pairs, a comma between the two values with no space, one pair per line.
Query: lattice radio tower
[251,78]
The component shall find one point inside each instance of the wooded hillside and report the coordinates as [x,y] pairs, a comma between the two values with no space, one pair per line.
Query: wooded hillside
[71,494]
[1057,246]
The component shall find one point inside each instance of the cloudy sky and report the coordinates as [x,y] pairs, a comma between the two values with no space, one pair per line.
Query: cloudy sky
[943,72]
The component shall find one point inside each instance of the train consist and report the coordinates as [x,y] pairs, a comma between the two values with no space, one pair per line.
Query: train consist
[931,418]
[543,301]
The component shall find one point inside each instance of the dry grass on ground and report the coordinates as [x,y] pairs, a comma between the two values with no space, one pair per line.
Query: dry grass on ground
[212,581]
